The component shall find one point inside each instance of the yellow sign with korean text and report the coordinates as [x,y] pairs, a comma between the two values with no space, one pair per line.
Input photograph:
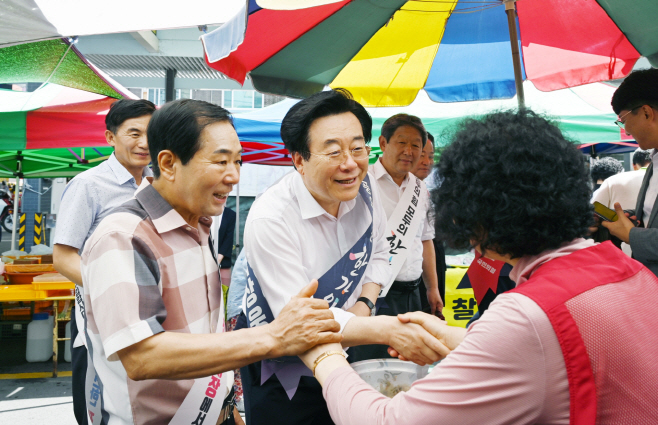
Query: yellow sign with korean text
[460,305]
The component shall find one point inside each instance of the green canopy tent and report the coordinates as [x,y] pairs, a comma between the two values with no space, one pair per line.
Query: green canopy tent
[54,131]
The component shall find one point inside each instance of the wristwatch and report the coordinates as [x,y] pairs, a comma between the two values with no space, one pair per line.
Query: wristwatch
[369,303]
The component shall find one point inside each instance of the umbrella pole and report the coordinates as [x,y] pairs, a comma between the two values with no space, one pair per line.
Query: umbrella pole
[516,55]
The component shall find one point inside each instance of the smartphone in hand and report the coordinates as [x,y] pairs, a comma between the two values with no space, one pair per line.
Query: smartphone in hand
[604,212]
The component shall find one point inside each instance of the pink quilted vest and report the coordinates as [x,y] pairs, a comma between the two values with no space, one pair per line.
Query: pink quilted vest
[603,308]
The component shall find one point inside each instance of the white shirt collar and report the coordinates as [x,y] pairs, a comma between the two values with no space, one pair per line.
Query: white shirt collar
[379,171]
[121,173]
[309,207]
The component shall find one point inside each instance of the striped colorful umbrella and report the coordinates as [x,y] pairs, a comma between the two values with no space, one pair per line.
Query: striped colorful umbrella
[386,51]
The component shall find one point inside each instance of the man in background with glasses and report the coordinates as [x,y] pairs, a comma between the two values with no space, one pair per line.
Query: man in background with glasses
[409,231]
[636,104]
[323,221]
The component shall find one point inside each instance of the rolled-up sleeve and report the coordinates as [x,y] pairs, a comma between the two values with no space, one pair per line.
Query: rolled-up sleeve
[121,278]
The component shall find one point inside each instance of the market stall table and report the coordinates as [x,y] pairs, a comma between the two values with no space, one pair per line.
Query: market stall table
[28,293]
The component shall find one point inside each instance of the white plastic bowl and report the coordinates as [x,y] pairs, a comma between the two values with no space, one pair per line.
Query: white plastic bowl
[389,376]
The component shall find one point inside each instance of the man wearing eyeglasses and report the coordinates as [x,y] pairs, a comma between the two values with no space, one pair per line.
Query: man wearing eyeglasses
[409,231]
[323,221]
[636,104]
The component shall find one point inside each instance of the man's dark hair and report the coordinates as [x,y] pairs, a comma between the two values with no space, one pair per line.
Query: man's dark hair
[430,139]
[125,109]
[604,168]
[641,157]
[400,120]
[638,88]
[177,127]
[513,184]
[298,120]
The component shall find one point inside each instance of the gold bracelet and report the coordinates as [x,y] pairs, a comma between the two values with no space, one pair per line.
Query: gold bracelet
[324,356]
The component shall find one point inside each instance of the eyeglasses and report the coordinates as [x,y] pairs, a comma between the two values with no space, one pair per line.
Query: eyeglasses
[338,157]
[621,124]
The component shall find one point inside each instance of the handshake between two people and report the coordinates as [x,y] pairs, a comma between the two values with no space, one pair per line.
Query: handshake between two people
[306,327]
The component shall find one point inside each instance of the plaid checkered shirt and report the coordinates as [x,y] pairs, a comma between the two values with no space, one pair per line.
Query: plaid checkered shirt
[145,271]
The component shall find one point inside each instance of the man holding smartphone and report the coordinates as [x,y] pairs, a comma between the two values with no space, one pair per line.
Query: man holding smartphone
[636,104]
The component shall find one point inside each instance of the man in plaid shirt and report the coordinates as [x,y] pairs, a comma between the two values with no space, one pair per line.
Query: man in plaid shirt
[154,318]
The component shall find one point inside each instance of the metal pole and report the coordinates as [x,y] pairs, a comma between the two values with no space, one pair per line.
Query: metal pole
[19,172]
[13,230]
[516,55]
[170,76]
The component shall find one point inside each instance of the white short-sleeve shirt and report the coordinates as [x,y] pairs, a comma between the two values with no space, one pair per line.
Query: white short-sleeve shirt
[290,240]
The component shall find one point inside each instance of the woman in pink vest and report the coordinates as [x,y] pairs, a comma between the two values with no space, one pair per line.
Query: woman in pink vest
[576,341]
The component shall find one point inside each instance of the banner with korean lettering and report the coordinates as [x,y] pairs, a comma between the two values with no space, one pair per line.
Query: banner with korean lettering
[205,399]
[460,305]
[403,225]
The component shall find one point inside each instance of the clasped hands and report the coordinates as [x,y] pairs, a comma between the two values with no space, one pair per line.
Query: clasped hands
[306,327]
[417,337]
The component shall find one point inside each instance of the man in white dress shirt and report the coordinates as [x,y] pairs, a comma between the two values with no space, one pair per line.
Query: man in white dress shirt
[409,230]
[325,221]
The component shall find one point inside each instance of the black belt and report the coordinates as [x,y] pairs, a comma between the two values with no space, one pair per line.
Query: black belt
[405,286]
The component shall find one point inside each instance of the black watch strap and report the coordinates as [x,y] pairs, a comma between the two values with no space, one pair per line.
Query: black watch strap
[367,302]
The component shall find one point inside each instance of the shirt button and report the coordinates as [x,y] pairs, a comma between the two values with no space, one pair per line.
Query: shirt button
[188,228]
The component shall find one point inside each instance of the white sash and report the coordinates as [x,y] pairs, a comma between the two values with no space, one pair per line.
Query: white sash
[203,404]
[403,225]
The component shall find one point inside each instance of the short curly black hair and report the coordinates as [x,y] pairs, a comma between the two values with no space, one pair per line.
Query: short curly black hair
[513,185]
[604,168]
